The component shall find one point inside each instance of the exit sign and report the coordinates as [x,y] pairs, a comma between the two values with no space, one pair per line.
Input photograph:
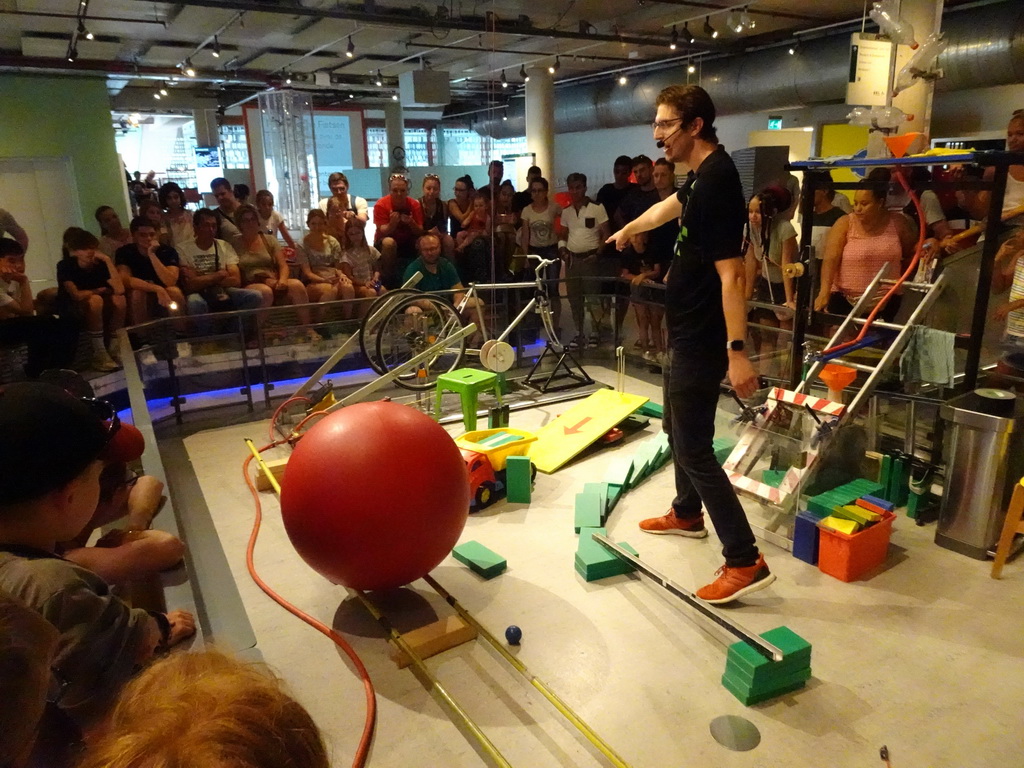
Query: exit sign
[774,123]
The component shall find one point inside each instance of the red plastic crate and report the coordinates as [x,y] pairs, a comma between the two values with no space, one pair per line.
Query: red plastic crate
[847,556]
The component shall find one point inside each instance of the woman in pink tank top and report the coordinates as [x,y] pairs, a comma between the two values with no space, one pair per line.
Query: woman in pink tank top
[861,244]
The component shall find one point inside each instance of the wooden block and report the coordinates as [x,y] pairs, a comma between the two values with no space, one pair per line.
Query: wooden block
[589,511]
[519,479]
[480,559]
[433,639]
[276,468]
[877,503]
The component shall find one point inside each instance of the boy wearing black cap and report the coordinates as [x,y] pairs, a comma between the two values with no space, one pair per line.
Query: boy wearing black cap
[51,457]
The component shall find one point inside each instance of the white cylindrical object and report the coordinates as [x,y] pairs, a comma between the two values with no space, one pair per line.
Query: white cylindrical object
[540,120]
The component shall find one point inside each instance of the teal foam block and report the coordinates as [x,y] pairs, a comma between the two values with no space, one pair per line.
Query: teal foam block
[723,447]
[480,559]
[601,489]
[823,503]
[519,479]
[773,477]
[593,561]
[651,409]
[589,511]
[744,661]
[620,473]
[749,697]
[614,494]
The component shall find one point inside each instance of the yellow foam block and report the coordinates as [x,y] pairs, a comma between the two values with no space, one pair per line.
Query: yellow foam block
[839,524]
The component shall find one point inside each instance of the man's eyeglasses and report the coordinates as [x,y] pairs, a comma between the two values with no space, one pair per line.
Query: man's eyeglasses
[665,123]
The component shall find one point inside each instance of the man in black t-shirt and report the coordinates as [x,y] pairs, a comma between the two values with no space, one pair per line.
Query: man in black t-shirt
[149,271]
[705,308]
[611,194]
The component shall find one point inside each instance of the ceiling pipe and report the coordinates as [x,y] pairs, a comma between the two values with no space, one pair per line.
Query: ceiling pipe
[986,48]
[95,67]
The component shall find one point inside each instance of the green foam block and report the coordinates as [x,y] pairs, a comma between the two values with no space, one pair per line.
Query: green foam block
[589,511]
[796,654]
[651,409]
[594,562]
[601,489]
[614,494]
[773,477]
[480,559]
[519,479]
[620,473]
[723,447]
[749,698]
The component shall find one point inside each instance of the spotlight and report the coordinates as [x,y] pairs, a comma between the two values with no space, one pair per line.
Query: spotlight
[794,48]
[504,115]
[674,39]
[746,19]
[733,22]
[157,95]
[351,95]
[350,51]
[691,68]
[216,48]
[554,67]
[504,80]
[623,80]
[72,53]
[688,35]
[163,89]
[394,97]
[187,69]
[287,78]
[709,30]
[83,32]
[379,80]
[522,73]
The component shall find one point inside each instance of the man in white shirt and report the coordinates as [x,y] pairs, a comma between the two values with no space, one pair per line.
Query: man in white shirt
[353,207]
[209,270]
[584,230]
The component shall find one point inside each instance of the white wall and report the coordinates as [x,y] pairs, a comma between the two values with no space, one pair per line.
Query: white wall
[593,153]
[980,113]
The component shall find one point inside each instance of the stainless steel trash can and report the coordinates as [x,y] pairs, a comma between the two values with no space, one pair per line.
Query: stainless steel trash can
[984,459]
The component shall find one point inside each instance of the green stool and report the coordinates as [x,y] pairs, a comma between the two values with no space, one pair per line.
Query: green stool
[469,383]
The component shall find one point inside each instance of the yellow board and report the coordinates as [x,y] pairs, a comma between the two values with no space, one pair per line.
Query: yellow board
[581,425]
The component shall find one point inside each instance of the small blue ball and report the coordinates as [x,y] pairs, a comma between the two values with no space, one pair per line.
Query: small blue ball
[513,634]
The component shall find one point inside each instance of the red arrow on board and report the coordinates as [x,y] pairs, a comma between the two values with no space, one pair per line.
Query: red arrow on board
[575,429]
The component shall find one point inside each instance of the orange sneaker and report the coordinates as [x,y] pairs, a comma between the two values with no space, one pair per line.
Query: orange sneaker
[692,527]
[734,583]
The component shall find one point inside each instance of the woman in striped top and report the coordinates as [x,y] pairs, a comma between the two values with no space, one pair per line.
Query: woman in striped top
[859,245]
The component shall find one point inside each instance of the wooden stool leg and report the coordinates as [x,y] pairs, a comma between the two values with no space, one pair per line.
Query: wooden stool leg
[1010,528]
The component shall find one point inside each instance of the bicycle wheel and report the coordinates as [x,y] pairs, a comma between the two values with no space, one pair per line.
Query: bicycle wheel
[409,328]
[370,325]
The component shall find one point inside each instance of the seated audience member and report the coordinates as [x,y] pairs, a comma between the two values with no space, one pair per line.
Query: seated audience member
[209,271]
[152,211]
[112,233]
[360,262]
[264,267]
[435,213]
[320,261]
[149,271]
[506,221]
[439,275]
[51,341]
[826,214]
[584,231]
[248,719]
[28,643]
[460,207]
[399,221]
[90,289]
[53,455]
[352,206]
[242,193]
[858,246]
[336,221]
[271,221]
[178,219]
[227,207]
[10,226]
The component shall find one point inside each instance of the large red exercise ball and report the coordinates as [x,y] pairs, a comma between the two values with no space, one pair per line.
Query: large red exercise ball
[375,495]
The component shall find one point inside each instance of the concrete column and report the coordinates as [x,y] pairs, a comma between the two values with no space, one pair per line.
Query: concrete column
[926,16]
[207,131]
[394,124]
[540,120]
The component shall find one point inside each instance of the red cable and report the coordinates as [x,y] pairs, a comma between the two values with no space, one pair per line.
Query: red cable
[362,752]
[902,279]
[277,413]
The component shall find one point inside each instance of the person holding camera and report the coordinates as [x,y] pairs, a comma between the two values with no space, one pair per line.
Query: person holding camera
[209,270]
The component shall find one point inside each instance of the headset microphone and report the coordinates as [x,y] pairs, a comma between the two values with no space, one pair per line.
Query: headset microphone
[661,144]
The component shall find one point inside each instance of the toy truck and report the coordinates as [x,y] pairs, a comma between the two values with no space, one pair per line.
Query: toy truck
[486,452]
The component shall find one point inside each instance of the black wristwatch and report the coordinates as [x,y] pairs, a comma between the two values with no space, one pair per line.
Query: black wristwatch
[736,345]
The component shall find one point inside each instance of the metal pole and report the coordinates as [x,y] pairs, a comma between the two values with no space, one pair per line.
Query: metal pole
[988,255]
[560,705]
[803,284]
[759,644]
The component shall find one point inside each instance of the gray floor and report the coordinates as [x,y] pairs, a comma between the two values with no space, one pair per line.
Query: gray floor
[925,657]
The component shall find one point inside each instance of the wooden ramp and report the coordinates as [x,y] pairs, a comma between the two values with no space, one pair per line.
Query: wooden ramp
[581,425]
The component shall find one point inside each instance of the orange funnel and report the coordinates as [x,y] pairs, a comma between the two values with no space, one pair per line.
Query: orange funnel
[899,145]
[837,378]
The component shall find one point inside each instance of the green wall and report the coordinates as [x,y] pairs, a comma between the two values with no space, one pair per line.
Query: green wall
[65,117]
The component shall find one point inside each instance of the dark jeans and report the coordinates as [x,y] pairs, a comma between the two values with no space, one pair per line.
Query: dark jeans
[691,398]
[51,341]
